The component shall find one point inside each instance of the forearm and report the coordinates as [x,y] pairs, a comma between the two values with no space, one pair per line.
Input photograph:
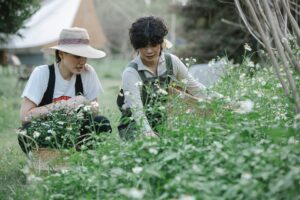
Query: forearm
[40,112]
[141,119]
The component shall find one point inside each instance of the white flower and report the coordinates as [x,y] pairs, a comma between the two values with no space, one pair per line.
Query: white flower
[220,171]
[212,62]
[36,134]
[87,108]
[161,108]
[251,64]
[94,104]
[258,93]
[247,47]
[187,197]
[104,158]
[244,106]
[292,140]
[21,132]
[242,75]
[133,193]
[153,150]
[246,176]
[184,81]
[69,128]
[200,100]
[137,170]
[218,144]
[48,138]
[258,151]
[162,91]
[138,84]
[51,132]
[60,123]
[33,178]
[194,60]
[278,85]
[188,111]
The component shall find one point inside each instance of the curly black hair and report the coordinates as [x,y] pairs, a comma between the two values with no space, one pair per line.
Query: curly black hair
[147,31]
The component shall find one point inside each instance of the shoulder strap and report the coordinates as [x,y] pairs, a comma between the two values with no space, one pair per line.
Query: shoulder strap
[141,73]
[78,86]
[48,95]
[169,64]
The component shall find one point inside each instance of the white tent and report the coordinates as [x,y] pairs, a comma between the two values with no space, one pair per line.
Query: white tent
[43,28]
[45,24]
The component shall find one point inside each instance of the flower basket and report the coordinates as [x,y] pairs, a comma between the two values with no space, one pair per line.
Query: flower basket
[46,159]
[182,102]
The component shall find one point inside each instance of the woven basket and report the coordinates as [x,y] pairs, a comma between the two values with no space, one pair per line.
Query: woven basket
[45,159]
[187,102]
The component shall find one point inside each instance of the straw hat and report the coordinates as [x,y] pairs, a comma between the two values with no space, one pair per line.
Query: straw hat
[75,41]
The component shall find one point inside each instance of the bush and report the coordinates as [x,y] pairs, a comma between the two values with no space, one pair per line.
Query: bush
[225,155]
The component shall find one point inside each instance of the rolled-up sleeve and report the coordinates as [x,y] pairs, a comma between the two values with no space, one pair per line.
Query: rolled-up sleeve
[194,87]
[181,72]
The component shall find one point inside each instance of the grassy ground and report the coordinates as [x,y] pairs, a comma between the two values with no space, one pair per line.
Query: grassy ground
[225,155]
[12,160]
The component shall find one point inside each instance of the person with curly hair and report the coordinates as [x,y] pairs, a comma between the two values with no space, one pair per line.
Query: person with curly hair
[146,78]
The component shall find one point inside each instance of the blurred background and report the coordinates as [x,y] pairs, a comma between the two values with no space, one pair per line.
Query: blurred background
[201,29]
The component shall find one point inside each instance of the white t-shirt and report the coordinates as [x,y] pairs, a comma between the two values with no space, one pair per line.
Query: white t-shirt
[64,89]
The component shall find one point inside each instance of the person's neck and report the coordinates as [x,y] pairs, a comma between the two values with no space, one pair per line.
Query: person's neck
[152,65]
[66,74]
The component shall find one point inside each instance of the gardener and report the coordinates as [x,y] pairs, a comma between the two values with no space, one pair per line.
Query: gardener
[147,77]
[67,84]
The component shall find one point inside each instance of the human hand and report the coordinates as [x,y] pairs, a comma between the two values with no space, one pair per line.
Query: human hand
[76,101]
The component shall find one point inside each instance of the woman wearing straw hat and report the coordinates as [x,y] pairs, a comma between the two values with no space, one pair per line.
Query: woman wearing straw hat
[147,77]
[69,82]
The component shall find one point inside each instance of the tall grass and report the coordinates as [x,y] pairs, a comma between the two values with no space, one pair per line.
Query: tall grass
[224,155]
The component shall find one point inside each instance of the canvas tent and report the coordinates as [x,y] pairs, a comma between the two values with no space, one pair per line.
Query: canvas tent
[43,28]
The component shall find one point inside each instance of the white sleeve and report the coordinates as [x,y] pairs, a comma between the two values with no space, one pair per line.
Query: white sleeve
[131,88]
[93,87]
[181,72]
[37,84]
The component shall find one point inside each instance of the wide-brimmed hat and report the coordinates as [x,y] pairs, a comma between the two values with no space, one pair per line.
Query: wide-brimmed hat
[75,41]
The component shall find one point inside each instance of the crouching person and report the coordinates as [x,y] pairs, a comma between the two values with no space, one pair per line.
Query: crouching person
[69,85]
[147,78]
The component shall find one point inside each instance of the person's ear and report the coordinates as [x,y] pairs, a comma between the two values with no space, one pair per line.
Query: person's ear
[60,54]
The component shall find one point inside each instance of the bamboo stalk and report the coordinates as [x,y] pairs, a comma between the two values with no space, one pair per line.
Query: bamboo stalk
[292,20]
[282,55]
[247,24]
[267,46]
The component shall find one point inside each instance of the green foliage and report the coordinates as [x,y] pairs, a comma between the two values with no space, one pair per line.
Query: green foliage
[13,15]
[224,155]
[207,35]
[61,129]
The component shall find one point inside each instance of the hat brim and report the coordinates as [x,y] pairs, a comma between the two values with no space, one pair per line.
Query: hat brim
[78,50]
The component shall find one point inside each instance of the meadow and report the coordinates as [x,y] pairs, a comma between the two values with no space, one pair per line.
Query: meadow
[246,153]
